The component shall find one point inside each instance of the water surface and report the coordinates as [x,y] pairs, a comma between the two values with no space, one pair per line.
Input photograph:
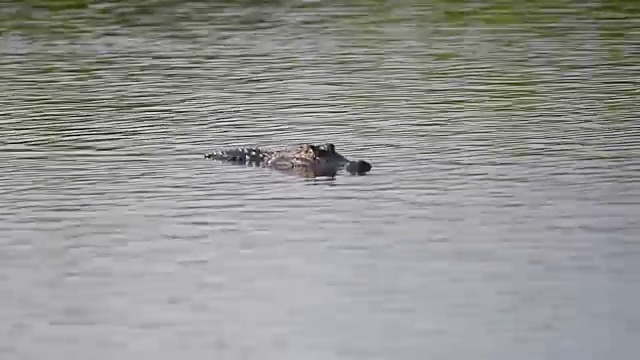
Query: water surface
[499,221]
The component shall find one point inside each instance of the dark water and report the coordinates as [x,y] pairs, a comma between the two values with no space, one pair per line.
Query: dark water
[500,220]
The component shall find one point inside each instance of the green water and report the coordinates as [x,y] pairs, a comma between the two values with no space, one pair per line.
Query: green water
[498,222]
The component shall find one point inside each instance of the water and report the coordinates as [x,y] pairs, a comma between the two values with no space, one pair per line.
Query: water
[499,220]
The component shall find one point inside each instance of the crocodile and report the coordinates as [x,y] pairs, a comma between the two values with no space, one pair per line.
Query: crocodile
[308,160]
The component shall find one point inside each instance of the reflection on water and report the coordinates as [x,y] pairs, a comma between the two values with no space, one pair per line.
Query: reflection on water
[499,220]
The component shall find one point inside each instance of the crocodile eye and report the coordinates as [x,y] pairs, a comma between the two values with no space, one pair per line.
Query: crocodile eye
[330,148]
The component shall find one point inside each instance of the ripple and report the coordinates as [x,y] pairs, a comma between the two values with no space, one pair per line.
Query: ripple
[502,200]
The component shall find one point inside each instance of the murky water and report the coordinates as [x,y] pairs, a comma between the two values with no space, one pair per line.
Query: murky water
[500,220]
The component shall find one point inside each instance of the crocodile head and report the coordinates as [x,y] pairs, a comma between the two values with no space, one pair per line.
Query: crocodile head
[327,153]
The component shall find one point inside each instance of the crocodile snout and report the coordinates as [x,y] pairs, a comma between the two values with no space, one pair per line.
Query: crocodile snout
[359,167]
